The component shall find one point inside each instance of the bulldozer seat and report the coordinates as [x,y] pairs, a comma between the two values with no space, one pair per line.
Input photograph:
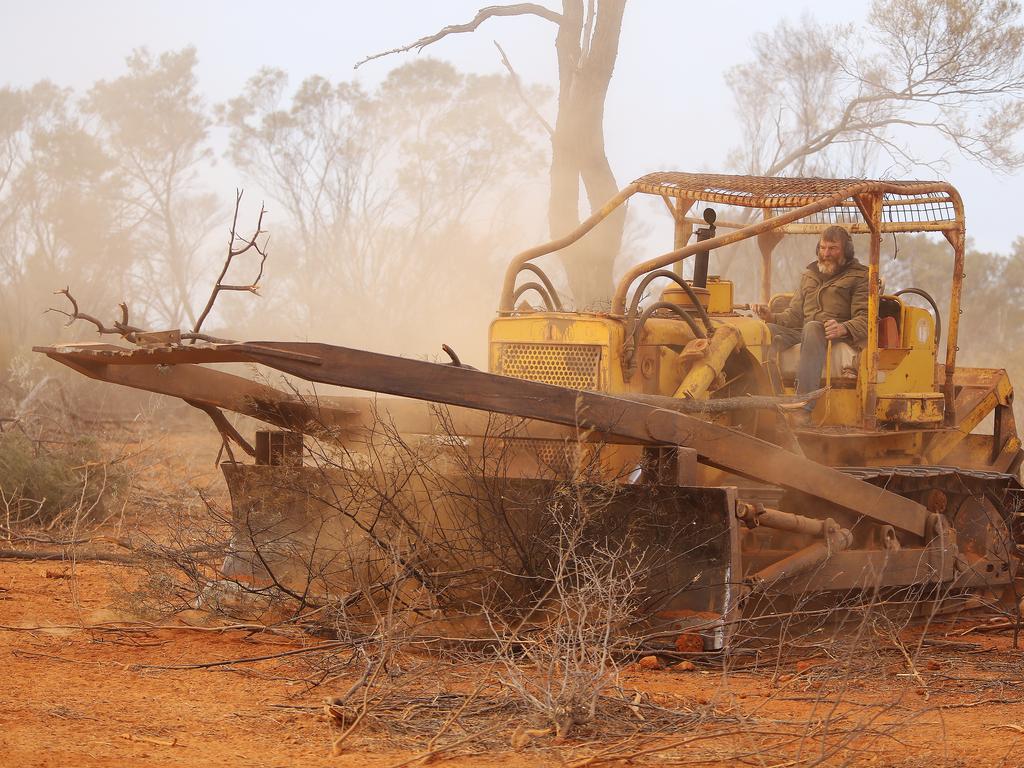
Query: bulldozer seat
[844,361]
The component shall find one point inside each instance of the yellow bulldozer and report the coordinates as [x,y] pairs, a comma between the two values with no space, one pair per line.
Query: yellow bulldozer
[665,412]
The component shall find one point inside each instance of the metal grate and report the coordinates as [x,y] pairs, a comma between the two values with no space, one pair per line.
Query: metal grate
[904,203]
[896,209]
[559,458]
[556,456]
[776,191]
[577,366]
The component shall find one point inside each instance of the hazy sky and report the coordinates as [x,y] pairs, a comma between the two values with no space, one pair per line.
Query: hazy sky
[668,107]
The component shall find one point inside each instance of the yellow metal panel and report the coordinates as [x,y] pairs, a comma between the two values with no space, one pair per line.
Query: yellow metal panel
[858,448]
[720,301]
[917,329]
[555,348]
[670,371]
[837,408]
[905,370]
[552,328]
[910,408]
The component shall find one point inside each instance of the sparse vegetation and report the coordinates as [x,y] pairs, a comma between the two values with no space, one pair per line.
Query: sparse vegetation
[49,482]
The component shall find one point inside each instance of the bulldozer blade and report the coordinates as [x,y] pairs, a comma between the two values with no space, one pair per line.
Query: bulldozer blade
[469,548]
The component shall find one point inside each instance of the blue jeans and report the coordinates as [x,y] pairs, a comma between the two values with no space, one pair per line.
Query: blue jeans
[813,347]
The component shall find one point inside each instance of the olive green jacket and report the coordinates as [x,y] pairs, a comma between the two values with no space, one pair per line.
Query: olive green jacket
[843,297]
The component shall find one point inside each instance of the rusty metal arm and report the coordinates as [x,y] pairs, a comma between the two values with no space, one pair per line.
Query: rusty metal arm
[756,515]
[507,303]
[333,417]
[834,538]
[716,446]
[178,375]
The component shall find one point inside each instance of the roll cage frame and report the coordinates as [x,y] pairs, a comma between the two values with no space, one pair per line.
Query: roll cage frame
[788,206]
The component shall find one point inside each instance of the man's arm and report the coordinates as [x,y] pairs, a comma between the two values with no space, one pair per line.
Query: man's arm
[857,325]
[793,315]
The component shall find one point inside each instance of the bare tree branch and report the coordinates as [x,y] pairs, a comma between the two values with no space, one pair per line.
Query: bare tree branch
[519,9]
[246,246]
[119,328]
[519,89]
[956,69]
[236,247]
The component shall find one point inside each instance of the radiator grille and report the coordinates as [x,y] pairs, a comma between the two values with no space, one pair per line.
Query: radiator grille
[568,365]
[554,455]
[559,458]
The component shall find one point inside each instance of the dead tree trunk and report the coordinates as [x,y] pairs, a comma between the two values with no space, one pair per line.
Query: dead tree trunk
[586,48]
[586,45]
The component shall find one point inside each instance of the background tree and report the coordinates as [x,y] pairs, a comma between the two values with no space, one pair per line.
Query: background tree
[59,195]
[823,99]
[154,125]
[406,191]
[586,46]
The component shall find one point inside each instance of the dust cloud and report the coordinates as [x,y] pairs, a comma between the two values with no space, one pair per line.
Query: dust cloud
[391,214]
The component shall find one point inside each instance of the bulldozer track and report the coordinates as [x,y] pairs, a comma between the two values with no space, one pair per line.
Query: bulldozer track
[1003,490]
[907,479]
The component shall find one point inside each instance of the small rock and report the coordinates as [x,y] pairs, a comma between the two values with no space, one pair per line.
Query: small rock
[685,666]
[649,662]
[803,666]
[933,665]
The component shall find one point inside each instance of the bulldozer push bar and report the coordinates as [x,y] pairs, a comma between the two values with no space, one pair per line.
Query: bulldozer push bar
[176,371]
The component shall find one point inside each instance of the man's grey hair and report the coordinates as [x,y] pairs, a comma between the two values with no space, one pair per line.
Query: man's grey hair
[837,234]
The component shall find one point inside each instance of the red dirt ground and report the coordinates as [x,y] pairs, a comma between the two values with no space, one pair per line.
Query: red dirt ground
[77,692]
[80,688]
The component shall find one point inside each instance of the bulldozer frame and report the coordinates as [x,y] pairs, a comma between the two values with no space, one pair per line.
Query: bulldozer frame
[893,487]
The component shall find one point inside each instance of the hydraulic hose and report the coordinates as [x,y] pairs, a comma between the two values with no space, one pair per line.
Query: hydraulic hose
[935,308]
[650,277]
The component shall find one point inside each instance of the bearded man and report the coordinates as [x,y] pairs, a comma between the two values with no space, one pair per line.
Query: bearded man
[830,305]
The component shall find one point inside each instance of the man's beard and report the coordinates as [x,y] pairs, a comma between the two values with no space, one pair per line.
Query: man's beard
[828,268]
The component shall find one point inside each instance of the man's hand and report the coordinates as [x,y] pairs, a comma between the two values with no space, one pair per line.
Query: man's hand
[762,311]
[834,330]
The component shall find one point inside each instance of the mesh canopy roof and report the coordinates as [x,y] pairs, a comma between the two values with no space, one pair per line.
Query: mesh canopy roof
[904,202]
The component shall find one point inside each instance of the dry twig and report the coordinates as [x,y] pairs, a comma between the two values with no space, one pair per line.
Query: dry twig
[518,9]
[236,247]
